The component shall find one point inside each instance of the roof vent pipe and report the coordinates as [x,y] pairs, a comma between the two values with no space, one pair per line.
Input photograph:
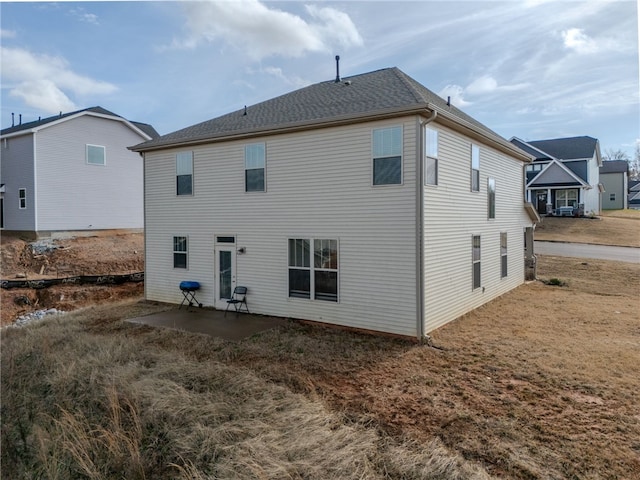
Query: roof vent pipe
[337,68]
[448,101]
[13,119]
[245,111]
[20,117]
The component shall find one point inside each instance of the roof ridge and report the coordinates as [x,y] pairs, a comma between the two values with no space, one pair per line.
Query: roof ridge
[403,78]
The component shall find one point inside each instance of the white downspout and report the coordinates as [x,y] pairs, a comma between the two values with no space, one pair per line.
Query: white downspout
[420,223]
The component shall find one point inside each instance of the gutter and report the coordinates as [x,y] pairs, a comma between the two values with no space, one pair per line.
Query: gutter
[420,126]
[287,128]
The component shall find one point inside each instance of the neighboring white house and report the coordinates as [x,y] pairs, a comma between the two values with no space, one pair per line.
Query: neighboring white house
[72,172]
[564,175]
[366,202]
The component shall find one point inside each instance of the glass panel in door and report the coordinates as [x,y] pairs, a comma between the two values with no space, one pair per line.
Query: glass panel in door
[225,274]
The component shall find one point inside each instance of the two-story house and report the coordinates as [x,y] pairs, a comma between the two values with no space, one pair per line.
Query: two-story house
[72,172]
[614,177]
[366,202]
[564,177]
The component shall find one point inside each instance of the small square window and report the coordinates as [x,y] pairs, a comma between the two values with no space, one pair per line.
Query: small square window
[612,197]
[96,155]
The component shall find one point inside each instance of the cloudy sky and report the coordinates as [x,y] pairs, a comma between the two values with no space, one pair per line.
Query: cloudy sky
[534,69]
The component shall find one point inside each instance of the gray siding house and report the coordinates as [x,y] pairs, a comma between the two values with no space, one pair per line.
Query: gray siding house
[72,172]
[614,176]
[365,202]
[564,176]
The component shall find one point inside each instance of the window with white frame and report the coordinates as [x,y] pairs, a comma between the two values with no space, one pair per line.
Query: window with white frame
[567,198]
[431,156]
[22,198]
[475,168]
[503,254]
[475,252]
[184,173]
[491,198]
[387,156]
[317,279]
[96,155]
[180,252]
[254,167]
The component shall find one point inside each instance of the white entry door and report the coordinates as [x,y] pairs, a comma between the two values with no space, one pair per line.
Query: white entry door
[225,266]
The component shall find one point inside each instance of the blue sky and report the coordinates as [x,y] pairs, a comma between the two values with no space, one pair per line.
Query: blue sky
[534,69]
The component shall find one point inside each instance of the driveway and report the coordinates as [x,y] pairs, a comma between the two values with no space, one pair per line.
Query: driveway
[583,250]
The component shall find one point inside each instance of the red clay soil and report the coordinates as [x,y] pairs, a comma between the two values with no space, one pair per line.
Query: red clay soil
[105,254]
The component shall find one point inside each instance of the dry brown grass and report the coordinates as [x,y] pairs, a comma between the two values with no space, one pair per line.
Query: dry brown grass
[541,383]
[618,227]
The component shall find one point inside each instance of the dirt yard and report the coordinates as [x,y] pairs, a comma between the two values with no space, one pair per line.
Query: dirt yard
[613,228]
[97,255]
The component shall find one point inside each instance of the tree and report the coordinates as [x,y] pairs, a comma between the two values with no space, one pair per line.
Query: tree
[634,165]
[611,154]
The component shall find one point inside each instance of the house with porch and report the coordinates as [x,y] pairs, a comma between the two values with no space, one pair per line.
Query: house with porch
[614,177]
[72,172]
[367,202]
[564,176]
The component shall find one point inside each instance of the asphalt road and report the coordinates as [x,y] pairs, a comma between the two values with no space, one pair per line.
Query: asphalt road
[583,250]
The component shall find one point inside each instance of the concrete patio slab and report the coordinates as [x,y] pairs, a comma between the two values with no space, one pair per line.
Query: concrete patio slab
[207,321]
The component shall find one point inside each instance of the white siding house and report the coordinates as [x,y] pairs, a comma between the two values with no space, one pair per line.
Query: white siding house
[73,172]
[318,202]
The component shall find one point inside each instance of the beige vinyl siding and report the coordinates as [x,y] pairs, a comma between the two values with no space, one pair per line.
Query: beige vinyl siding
[73,195]
[17,171]
[453,214]
[318,185]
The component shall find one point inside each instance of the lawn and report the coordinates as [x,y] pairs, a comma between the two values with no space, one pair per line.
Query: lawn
[543,382]
[615,227]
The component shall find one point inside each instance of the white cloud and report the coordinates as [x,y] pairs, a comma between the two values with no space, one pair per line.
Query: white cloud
[43,94]
[575,39]
[259,31]
[7,33]
[456,92]
[294,80]
[484,84]
[45,82]
[81,15]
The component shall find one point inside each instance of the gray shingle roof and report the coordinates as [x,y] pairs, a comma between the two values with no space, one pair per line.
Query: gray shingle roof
[614,166]
[566,148]
[146,128]
[353,97]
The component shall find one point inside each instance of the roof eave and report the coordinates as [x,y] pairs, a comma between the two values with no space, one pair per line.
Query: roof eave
[288,128]
[474,132]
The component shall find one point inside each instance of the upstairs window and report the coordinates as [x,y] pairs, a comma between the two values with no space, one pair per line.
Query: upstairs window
[96,155]
[503,254]
[491,198]
[475,168]
[431,157]
[180,252]
[475,252]
[387,156]
[254,167]
[22,198]
[184,173]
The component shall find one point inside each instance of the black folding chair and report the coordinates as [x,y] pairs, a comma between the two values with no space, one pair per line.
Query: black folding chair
[238,299]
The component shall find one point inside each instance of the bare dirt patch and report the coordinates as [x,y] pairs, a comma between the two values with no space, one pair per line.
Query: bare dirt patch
[97,255]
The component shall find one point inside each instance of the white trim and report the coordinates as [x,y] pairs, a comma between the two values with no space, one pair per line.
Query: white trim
[542,152]
[559,163]
[312,269]
[77,115]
